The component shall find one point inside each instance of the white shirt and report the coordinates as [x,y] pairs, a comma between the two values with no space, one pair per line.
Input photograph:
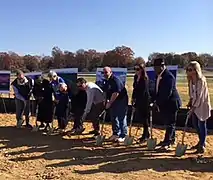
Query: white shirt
[95,95]
[158,80]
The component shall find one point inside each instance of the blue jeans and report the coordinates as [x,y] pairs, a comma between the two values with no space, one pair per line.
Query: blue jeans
[118,117]
[201,129]
[170,122]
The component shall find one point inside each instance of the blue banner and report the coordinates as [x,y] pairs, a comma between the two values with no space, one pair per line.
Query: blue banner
[33,75]
[5,82]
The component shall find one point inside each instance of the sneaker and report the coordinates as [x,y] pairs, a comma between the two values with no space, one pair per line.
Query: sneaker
[200,150]
[114,138]
[61,131]
[72,131]
[19,124]
[79,130]
[120,140]
[195,147]
[92,132]
[41,126]
[142,140]
[164,143]
[96,133]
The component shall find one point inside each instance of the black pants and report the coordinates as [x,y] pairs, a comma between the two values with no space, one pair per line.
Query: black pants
[170,119]
[94,115]
[78,123]
[142,116]
[62,116]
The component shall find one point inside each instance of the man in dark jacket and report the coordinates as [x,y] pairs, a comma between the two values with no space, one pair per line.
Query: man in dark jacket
[117,104]
[167,100]
[22,87]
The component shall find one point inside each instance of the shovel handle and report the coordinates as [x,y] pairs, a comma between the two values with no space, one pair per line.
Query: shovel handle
[151,123]
[102,127]
[131,120]
[184,131]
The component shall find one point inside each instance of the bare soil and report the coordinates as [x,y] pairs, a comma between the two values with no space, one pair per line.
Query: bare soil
[34,155]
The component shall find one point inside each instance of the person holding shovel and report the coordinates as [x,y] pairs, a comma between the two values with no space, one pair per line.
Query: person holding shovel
[55,82]
[166,100]
[43,94]
[117,104]
[22,87]
[94,105]
[199,103]
[141,99]
[62,107]
[78,104]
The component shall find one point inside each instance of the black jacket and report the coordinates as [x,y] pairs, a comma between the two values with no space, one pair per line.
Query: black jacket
[141,92]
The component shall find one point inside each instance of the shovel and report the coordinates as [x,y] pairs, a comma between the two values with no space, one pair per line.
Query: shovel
[101,138]
[181,147]
[151,142]
[129,139]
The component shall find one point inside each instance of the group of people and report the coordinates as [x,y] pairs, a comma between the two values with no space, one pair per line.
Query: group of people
[53,95]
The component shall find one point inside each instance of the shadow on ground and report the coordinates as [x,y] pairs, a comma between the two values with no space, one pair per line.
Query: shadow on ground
[110,158]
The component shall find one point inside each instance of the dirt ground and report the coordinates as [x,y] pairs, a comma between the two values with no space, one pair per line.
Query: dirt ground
[33,155]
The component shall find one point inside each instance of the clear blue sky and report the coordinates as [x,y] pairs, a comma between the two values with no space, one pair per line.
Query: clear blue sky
[35,26]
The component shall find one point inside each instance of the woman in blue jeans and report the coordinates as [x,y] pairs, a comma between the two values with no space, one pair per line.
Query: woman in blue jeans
[199,104]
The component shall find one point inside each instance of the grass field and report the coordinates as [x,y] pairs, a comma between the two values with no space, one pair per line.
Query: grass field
[181,85]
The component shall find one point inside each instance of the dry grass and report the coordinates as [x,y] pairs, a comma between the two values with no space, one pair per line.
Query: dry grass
[33,155]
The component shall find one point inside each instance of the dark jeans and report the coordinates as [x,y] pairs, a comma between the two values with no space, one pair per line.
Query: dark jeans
[94,113]
[118,117]
[170,122]
[201,129]
[62,122]
[143,117]
[22,108]
[62,116]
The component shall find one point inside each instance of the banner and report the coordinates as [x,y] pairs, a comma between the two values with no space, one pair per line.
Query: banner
[33,75]
[121,73]
[5,82]
[69,75]
[152,76]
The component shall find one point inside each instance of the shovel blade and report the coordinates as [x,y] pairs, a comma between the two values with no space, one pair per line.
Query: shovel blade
[35,129]
[50,131]
[99,140]
[180,150]
[128,140]
[151,143]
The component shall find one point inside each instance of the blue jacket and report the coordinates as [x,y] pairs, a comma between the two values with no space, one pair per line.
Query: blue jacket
[55,86]
[167,98]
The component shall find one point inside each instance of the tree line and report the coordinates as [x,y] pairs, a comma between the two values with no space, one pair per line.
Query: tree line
[89,60]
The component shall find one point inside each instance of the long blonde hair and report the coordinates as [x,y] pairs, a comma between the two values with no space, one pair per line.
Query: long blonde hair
[197,68]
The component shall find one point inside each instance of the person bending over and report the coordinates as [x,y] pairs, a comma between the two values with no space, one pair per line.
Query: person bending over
[94,105]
